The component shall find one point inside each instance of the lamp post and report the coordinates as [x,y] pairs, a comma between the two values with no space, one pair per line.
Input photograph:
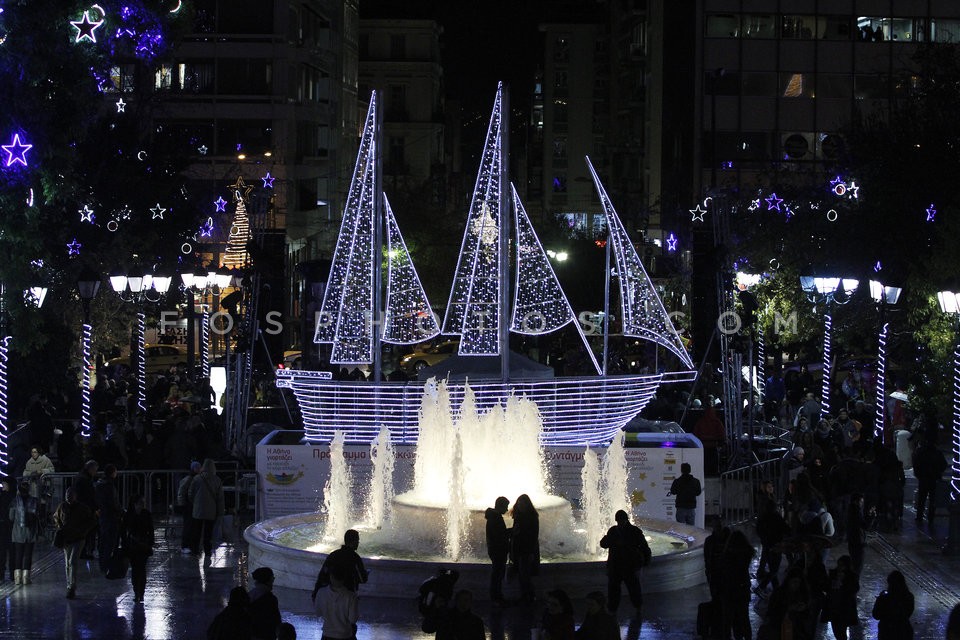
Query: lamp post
[950,304]
[88,284]
[201,281]
[139,287]
[883,295]
[828,290]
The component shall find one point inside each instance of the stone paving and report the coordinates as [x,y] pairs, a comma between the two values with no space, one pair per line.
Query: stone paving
[184,593]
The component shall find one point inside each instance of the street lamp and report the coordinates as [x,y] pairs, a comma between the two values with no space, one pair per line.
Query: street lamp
[882,294]
[197,280]
[827,289]
[950,304]
[138,286]
[88,284]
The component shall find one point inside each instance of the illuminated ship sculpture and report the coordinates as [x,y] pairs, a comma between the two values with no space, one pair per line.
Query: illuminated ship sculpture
[576,410]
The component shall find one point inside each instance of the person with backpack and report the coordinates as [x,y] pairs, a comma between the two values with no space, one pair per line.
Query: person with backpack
[23,513]
[628,552]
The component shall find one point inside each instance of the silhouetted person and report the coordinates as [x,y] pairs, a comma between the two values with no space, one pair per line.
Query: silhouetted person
[893,609]
[84,483]
[525,545]
[109,512]
[498,547]
[686,488]
[459,622]
[598,623]
[857,525]
[206,494]
[75,521]
[189,536]
[286,631]
[736,557]
[628,552]
[23,512]
[6,526]
[840,607]
[234,622]
[346,562]
[928,467]
[264,607]
[558,622]
[337,605]
[137,538]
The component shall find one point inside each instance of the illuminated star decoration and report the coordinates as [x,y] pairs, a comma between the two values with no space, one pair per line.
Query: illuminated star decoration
[773,202]
[207,228]
[221,204]
[157,212]
[240,190]
[854,189]
[931,213]
[671,243]
[86,214]
[16,151]
[268,181]
[121,106]
[73,248]
[877,267]
[85,28]
[754,205]
[835,182]
[697,214]
[202,149]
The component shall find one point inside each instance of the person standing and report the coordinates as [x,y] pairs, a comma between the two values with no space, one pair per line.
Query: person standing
[338,604]
[206,494]
[840,606]
[233,622]
[346,562]
[686,488]
[137,538]
[75,520]
[23,515]
[628,553]
[109,512]
[735,562]
[857,525]
[83,483]
[189,540]
[6,527]
[893,609]
[928,467]
[37,466]
[525,545]
[498,547]
[459,622]
[264,607]
[598,624]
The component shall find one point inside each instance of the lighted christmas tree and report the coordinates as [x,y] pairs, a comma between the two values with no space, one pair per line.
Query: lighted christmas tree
[235,256]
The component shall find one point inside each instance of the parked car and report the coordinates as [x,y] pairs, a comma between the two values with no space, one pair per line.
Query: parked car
[292,359]
[160,358]
[424,357]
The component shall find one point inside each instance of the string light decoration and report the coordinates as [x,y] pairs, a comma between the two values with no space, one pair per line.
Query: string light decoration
[576,411]
[346,313]
[86,214]
[157,212]
[697,213]
[955,460]
[236,256]
[642,310]
[220,203]
[4,432]
[473,309]
[86,421]
[141,362]
[881,385]
[73,248]
[539,304]
[672,243]
[86,28]
[773,202]
[408,318]
[205,345]
[206,229]
[931,213]
[825,381]
[268,181]
[16,151]
[121,106]
[761,367]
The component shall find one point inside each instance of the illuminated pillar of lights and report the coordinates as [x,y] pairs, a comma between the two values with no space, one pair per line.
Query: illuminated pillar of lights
[761,367]
[141,362]
[881,382]
[4,355]
[825,382]
[86,424]
[205,345]
[955,463]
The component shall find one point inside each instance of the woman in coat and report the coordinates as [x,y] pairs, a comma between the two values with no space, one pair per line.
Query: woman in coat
[74,521]
[206,494]
[136,539]
[893,609]
[526,545]
[25,518]
[38,465]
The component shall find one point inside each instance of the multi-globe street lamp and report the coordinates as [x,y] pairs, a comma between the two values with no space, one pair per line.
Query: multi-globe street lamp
[201,281]
[139,287]
[829,289]
[883,295]
[950,304]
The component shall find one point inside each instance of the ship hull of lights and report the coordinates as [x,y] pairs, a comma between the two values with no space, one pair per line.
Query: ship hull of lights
[575,411]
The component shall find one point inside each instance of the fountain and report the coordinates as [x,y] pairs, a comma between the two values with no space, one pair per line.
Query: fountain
[465,459]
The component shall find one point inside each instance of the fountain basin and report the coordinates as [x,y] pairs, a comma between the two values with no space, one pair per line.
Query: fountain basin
[397,573]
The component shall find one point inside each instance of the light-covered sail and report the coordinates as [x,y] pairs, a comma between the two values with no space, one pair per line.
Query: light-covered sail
[643,313]
[408,318]
[346,313]
[539,304]
[473,310]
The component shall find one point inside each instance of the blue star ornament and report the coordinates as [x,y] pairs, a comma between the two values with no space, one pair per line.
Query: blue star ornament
[931,213]
[86,28]
[16,151]
[773,202]
[73,248]
[697,213]
[221,204]
[671,243]
[268,181]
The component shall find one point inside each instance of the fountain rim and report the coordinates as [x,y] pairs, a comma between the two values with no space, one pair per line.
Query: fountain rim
[252,534]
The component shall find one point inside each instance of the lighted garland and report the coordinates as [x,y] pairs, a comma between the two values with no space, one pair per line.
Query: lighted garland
[4,432]
[881,382]
[955,463]
[141,362]
[235,255]
[473,309]
[86,422]
[205,345]
[825,381]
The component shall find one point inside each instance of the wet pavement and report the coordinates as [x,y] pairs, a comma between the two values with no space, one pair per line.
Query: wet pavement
[184,593]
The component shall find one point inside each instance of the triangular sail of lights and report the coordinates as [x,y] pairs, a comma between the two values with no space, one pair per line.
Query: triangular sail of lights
[235,256]
[643,313]
[348,301]
[539,304]
[408,317]
[473,310]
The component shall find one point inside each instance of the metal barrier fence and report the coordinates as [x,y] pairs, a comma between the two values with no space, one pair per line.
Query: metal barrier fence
[159,487]
[739,488]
